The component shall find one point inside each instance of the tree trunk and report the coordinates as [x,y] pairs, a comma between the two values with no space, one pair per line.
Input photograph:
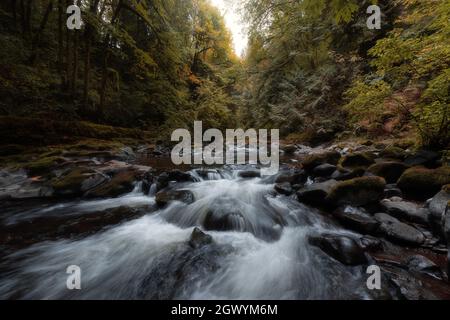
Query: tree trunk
[61,40]
[37,37]
[106,44]
[87,56]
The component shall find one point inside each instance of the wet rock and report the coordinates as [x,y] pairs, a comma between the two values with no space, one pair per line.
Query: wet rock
[393,152]
[421,264]
[250,174]
[398,231]
[127,154]
[390,171]
[119,184]
[422,183]
[174,175]
[346,174]
[359,159]
[342,248]
[357,192]
[289,149]
[314,160]
[391,190]
[284,188]
[369,243]
[423,158]
[199,239]
[406,210]
[437,207]
[407,286]
[77,181]
[293,177]
[164,197]
[324,170]
[356,219]
[26,190]
[316,193]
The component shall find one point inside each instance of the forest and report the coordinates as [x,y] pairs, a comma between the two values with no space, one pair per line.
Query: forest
[93,206]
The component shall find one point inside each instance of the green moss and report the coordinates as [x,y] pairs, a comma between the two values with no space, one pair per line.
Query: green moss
[314,160]
[43,165]
[358,191]
[392,152]
[423,183]
[390,171]
[357,160]
[71,183]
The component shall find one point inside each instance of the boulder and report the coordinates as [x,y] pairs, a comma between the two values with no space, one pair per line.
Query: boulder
[76,182]
[316,193]
[293,177]
[398,231]
[406,211]
[250,174]
[423,158]
[357,192]
[316,159]
[358,159]
[289,149]
[324,170]
[392,190]
[421,264]
[121,183]
[346,174]
[369,243]
[199,239]
[175,175]
[342,248]
[390,171]
[422,183]
[284,188]
[437,207]
[164,197]
[356,219]
[393,152]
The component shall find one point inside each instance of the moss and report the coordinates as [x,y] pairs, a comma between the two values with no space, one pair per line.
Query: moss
[422,183]
[121,183]
[357,160]
[43,165]
[358,191]
[393,152]
[71,183]
[390,171]
[314,160]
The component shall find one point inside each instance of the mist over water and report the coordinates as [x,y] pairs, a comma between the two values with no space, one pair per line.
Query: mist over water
[264,253]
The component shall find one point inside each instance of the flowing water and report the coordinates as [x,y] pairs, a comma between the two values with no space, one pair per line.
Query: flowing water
[264,254]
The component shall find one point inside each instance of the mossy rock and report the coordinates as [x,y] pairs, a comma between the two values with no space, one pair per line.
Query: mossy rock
[393,152]
[314,160]
[43,165]
[121,183]
[421,183]
[357,160]
[76,182]
[390,171]
[358,191]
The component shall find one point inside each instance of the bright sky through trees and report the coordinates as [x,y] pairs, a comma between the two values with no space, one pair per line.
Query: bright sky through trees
[234,23]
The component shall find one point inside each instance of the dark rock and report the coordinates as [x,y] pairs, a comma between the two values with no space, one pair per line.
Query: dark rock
[284,188]
[358,191]
[316,193]
[324,170]
[199,239]
[393,152]
[164,197]
[359,159]
[77,181]
[421,264]
[437,207]
[390,171]
[406,210]
[289,149]
[423,158]
[293,177]
[369,243]
[314,160]
[250,174]
[391,190]
[119,184]
[342,248]
[356,219]
[408,287]
[175,175]
[398,231]
[422,183]
[346,174]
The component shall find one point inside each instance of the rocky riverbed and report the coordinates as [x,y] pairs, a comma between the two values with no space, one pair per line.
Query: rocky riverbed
[141,229]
